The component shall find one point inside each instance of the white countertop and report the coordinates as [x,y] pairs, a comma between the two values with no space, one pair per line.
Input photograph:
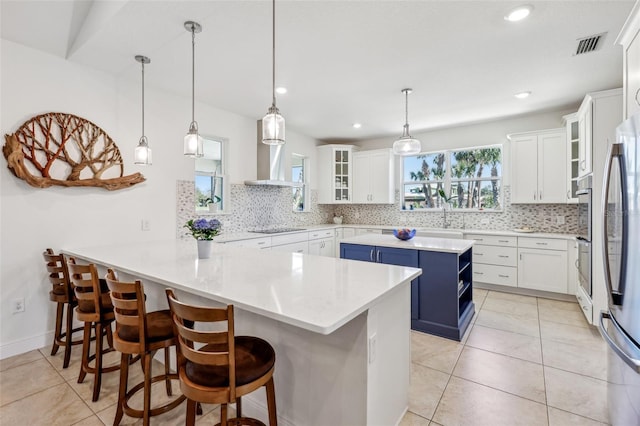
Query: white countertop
[316,293]
[416,243]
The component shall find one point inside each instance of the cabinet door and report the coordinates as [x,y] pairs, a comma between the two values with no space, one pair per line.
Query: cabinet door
[524,159]
[542,270]
[552,168]
[573,158]
[361,173]
[586,136]
[395,256]
[357,252]
[381,180]
[326,247]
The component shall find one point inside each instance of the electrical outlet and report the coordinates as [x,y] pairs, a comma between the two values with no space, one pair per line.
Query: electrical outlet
[145,225]
[17,305]
[372,348]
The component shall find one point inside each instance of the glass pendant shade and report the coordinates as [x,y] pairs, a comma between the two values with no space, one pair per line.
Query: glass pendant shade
[142,153]
[406,145]
[193,146]
[273,128]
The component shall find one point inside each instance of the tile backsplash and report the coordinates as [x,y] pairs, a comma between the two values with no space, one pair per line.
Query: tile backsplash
[258,207]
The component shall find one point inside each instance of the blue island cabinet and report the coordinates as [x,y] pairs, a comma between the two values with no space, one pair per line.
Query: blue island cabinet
[441,298]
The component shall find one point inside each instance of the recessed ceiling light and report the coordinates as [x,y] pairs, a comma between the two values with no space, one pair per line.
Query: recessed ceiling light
[357,125]
[522,95]
[519,13]
[281,90]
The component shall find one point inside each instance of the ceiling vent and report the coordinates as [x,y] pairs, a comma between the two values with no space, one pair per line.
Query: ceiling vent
[589,44]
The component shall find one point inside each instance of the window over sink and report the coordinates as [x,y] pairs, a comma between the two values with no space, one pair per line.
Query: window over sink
[211,186]
[469,178]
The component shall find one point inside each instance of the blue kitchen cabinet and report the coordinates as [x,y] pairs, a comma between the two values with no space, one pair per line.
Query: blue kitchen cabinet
[441,298]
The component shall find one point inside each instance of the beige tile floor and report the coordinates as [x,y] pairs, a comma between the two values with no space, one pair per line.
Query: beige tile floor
[523,361]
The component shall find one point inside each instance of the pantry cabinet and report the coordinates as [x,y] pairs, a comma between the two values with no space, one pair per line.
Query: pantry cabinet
[334,165]
[629,38]
[538,167]
[373,178]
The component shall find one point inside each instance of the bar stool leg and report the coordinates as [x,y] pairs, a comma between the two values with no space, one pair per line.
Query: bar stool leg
[122,391]
[167,371]
[68,336]
[223,415]
[271,403]
[58,330]
[86,341]
[238,407]
[147,389]
[97,380]
[191,413]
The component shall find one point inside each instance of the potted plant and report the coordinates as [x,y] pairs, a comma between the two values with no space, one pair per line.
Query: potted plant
[203,231]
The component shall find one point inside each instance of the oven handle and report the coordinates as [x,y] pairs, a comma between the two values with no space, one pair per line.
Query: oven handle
[629,360]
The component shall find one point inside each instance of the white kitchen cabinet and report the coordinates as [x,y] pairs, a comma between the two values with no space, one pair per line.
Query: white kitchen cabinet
[538,167]
[585,135]
[373,178]
[573,156]
[322,242]
[292,243]
[334,164]
[542,264]
[494,259]
[629,38]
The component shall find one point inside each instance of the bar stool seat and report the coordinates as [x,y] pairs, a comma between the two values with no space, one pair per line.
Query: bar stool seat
[62,294]
[140,333]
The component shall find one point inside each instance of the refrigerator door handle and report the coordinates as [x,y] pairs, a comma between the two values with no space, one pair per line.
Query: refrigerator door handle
[615,296]
[629,360]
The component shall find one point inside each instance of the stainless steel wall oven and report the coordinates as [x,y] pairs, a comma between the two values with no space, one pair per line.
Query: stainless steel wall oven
[584,233]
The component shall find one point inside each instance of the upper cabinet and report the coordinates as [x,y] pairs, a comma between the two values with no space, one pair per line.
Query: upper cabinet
[573,156]
[373,177]
[335,174]
[585,137]
[629,38]
[539,167]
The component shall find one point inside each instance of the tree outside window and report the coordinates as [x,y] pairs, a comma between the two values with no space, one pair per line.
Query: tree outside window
[469,178]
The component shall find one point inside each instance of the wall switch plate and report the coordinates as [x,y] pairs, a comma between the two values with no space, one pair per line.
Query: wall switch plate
[17,305]
[145,225]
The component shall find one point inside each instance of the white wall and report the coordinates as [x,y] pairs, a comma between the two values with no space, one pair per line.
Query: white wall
[33,219]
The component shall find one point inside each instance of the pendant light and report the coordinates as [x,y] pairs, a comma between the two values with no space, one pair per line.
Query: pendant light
[142,153]
[193,141]
[273,122]
[406,145]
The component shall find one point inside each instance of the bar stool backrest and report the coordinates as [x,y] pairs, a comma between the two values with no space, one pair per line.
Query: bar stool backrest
[130,313]
[87,289]
[58,274]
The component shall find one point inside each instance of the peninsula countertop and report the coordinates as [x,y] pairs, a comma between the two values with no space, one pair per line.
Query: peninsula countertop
[416,243]
[316,293]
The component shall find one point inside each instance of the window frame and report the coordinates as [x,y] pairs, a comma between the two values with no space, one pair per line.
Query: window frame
[448,181]
[305,183]
[221,175]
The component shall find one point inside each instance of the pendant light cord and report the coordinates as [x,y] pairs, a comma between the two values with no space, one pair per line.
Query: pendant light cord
[273,52]
[142,98]
[193,71]
[406,108]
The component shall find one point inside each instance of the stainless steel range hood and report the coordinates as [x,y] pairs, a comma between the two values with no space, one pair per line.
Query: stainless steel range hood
[271,164]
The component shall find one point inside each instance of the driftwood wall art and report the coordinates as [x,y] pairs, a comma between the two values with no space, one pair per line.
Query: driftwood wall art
[66,150]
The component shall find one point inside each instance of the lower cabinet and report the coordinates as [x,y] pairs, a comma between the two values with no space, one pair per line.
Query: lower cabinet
[542,264]
[322,247]
[441,298]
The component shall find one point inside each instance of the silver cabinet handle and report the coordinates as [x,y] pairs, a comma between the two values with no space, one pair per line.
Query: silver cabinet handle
[503,276]
[478,254]
[371,255]
[378,256]
[534,195]
[542,244]
[479,239]
[583,165]
[503,256]
[568,194]
[299,251]
[577,267]
[541,195]
[503,241]
[478,273]
[260,243]
[638,94]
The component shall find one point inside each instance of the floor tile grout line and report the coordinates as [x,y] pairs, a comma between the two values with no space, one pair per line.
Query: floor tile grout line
[500,390]
[544,375]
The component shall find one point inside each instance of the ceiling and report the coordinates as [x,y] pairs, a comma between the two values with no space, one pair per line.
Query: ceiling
[341,61]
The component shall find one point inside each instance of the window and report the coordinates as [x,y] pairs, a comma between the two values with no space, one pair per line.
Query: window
[299,170]
[469,179]
[210,180]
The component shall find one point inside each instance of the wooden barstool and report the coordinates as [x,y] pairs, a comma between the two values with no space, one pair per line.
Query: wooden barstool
[140,333]
[61,293]
[218,367]
[95,309]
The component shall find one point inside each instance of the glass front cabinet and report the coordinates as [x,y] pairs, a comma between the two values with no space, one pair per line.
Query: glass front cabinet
[335,174]
[573,156]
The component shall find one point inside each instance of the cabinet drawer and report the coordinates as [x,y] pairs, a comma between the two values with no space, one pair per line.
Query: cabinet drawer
[492,274]
[363,231]
[542,243]
[495,255]
[325,233]
[299,247]
[288,238]
[259,243]
[493,240]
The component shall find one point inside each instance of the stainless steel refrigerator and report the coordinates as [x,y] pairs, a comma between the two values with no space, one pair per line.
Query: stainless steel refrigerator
[620,325]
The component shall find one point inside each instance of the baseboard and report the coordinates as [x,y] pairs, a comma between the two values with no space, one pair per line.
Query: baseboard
[21,346]
[526,292]
[251,407]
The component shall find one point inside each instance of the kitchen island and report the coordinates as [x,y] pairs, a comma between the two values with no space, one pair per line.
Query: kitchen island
[340,328]
[442,297]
